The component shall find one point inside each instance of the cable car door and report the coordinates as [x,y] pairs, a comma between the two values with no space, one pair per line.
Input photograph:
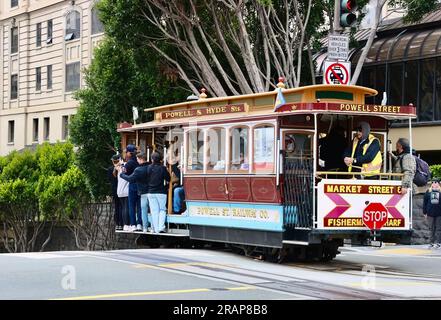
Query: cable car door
[297,146]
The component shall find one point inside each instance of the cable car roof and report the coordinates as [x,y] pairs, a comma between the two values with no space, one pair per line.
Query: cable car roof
[320,99]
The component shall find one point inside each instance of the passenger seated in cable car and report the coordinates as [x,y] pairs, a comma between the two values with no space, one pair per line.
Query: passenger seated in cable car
[241,163]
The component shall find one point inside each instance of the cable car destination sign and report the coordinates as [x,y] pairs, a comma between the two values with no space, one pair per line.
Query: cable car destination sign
[354,204]
[214,110]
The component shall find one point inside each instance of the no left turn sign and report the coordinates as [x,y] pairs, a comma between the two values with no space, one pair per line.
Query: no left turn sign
[337,72]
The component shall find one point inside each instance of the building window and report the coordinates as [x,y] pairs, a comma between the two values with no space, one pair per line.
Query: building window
[239,150]
[72,76]
[195,154]
[11,131]
[50,30]
[215,156]
[38,79]
[14,86]
[38,40]
[14,3]
[97,25]
[14,40]
[49,77]
[72,26]
[35,130]
[264,149]
[46,129]
[65,127]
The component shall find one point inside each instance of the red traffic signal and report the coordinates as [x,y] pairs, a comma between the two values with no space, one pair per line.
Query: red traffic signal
[347,15]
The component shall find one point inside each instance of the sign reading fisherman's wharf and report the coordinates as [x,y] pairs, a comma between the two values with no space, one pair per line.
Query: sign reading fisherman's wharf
[231,108]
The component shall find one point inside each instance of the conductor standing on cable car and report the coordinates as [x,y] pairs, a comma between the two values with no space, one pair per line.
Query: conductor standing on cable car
[365,154]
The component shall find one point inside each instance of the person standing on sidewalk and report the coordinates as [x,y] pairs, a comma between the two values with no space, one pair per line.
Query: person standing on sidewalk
[141,178]
[432,213]
[158,176]
[134,198]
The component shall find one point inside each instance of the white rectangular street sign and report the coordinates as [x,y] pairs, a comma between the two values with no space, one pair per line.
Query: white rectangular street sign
[338,47]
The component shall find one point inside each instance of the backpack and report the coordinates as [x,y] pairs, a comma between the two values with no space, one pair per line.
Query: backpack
[422,172]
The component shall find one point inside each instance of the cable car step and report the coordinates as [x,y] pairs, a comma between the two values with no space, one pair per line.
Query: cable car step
[169,233]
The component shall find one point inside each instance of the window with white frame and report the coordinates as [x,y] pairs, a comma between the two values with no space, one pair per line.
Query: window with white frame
[97,25]
[11,131]
[72,76]
[50,31]
[14,86]
[263,149]
[73,26]
[38,35]
[14,40]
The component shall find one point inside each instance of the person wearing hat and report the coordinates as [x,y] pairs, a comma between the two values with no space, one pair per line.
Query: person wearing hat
[140,176]
[122,194]
[432,213]
[365,155]
[134,199]
[405,164]
[112,175]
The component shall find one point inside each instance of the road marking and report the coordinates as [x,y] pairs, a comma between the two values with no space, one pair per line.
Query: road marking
[406,251]
[149,293]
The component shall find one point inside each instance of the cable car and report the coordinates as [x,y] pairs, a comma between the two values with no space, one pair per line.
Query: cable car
[256,177]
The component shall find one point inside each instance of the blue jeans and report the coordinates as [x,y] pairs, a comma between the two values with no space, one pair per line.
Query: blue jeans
[145,210]
[134,205]
[157,202]
[178,199]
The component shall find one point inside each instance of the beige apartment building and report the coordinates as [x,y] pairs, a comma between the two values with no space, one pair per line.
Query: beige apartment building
[44,46]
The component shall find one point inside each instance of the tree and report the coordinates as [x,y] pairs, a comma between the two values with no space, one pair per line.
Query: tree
[227,46]
[33,197]
[414,11]
[118,79]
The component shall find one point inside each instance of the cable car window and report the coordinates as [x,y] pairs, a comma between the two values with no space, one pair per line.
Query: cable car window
[263,149]
[239,150]
[215,156]
[195,156]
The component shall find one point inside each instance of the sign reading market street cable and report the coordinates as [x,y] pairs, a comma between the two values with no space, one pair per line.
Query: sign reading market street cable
[231,108]
[353,204]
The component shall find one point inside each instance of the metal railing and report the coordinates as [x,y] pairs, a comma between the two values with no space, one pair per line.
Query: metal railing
[298,192]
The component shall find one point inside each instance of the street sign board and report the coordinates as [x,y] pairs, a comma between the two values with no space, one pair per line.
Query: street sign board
[341,204]
[337,72]
[338,47]
[375,216]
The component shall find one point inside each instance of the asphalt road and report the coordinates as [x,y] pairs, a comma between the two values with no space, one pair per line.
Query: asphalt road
[189,274]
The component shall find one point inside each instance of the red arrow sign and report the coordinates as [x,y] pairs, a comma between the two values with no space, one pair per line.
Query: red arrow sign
[375,216]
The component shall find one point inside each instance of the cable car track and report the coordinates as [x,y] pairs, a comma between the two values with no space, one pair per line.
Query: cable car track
[298,287]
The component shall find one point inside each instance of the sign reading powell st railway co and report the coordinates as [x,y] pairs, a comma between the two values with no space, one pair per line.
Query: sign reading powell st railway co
[232,108]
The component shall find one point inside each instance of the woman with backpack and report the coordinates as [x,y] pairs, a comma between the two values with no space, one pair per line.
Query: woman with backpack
[405,163]
[432,213]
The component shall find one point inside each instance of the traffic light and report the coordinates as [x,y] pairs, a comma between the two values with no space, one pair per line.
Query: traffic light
[347,12]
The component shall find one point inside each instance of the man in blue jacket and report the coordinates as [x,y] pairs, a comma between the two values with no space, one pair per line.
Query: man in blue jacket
[432,213]
[134,198]
[141,178]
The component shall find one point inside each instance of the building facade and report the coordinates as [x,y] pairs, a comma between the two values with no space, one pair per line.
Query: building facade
[44,47]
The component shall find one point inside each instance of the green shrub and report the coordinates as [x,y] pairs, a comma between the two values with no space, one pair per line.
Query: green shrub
[436,170]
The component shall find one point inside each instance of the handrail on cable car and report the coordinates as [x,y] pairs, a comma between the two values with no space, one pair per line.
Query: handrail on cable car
[337,173]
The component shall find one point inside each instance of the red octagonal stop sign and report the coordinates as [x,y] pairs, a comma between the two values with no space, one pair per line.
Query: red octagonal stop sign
[375,216]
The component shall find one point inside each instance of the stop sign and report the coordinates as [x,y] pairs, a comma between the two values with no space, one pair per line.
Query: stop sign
[375,216]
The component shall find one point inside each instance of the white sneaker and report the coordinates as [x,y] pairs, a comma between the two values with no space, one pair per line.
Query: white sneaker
[437,246]
[126,228]
[144,230]
[138,227]
[431,246]
[132,228]
[150,230]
